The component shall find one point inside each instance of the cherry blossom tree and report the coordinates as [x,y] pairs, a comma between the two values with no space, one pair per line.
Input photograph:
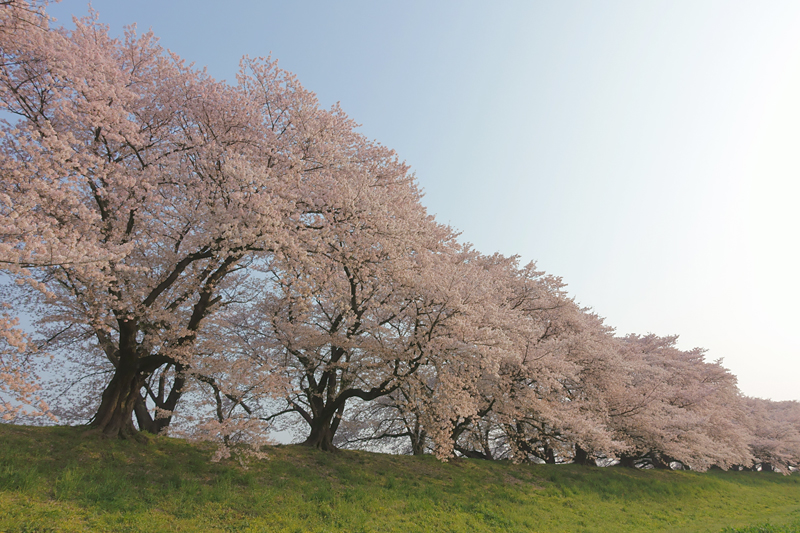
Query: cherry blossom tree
[353,317]
[539,405]
[677,407]
[774,434]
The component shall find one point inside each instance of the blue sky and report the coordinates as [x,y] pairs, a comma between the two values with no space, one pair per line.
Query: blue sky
[647,152]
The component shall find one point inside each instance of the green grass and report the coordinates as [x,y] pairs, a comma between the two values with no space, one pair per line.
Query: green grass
[62,479]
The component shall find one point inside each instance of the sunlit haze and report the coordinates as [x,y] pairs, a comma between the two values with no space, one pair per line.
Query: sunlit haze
[647,152]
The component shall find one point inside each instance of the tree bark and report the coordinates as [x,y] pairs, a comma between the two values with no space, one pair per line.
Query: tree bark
[418,437]
[582,457]
[114,417]
[321,436]
[418,445]
[549,455]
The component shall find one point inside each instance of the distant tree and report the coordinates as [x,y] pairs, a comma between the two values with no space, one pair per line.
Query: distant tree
[774,434]
[448,405]
[543,400]
[677,407]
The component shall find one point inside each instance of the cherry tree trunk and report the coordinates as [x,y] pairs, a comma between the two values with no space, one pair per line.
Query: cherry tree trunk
[549,455]
[114,417]
[321,436]
[417,442]
[582,457]
[323,428]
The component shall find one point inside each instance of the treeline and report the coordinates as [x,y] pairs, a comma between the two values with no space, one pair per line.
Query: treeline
[217,261]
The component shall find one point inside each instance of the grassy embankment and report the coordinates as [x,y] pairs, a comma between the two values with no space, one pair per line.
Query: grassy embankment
[60,479]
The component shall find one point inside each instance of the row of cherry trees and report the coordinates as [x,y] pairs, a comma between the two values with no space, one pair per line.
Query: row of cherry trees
[216,260]
[566,389]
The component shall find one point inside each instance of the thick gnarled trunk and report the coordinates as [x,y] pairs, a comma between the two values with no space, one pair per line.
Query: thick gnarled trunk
[321,435]
[114,417]
[323,420]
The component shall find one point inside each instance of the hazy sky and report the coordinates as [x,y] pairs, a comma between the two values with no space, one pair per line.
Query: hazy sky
[647,152]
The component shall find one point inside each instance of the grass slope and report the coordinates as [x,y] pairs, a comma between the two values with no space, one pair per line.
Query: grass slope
[61,479]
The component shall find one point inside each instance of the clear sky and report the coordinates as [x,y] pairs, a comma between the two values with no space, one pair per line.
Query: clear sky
[647,152]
